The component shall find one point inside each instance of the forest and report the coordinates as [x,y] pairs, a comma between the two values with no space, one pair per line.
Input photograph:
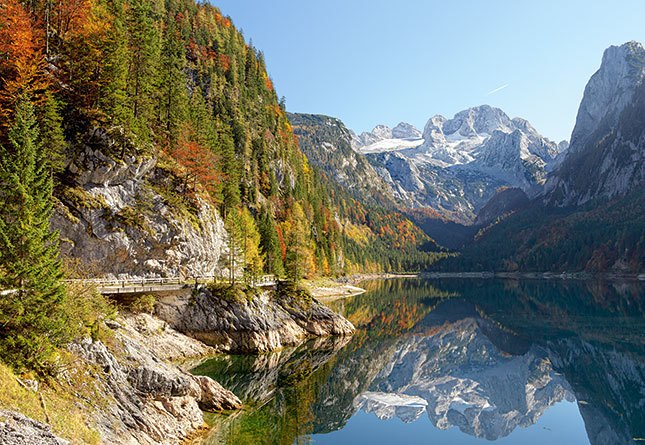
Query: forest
[174,81]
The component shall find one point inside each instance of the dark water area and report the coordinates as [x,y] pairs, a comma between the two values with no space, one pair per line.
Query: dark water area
[453,361]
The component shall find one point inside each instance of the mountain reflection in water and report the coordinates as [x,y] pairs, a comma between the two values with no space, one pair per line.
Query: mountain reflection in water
[475,358]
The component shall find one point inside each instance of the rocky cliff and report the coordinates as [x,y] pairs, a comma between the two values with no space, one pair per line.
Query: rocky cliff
[125,216]
[327,143]
[16,429]
[259,323]
[606,158]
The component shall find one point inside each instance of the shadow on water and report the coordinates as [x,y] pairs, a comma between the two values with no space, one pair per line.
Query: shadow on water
[455,361]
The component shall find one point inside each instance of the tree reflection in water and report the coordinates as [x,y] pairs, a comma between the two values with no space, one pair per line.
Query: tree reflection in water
[484,356]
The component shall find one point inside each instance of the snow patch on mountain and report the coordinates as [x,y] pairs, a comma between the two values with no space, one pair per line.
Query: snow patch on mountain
[456,165]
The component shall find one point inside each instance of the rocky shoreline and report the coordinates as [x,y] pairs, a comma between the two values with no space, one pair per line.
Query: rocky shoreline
[144,393]
[262,323]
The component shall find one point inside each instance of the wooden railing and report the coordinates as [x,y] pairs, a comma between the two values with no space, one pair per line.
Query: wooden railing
[265,280]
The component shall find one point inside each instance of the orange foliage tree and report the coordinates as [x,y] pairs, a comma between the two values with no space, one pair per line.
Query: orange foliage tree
[22,63]
[199,162]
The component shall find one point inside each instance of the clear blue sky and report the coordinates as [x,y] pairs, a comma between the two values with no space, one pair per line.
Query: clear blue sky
[375,61]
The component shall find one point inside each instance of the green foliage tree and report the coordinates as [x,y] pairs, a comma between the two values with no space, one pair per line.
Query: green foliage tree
[51,134]
[31,321]
[299,253]
[253,259]
[270,244]
[234,243]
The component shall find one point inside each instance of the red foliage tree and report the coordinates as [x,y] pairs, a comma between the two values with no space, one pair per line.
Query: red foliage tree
[199,162]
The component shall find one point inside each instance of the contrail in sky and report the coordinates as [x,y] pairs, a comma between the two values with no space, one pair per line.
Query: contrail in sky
[497,89]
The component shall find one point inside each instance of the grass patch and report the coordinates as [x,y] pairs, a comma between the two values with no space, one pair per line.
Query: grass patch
[79,198]
[130,217]
[293,295]
[66,412]
[233,293]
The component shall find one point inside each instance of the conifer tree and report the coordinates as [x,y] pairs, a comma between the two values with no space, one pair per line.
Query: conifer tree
[51,133]
[173,100]
[270,244]
[32,323]
[234,241]
[145,51]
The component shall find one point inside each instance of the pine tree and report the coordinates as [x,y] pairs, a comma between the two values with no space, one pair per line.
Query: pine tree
[173,97]
[114,98]
[32,323]
[51,134]
[143,73]
[270,244]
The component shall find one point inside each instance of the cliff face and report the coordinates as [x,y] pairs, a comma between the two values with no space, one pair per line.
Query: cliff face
[606,158]
[123,217]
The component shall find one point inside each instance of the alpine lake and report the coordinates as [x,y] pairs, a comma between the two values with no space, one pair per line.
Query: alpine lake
[453,362]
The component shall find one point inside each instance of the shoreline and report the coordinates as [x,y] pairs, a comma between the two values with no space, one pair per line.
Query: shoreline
[334,291]
[579,276]
[357,278]
[331,289]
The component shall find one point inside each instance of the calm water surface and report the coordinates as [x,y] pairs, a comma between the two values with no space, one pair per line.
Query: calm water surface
[453,362]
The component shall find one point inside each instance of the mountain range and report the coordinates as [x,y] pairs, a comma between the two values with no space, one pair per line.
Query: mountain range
[462,176]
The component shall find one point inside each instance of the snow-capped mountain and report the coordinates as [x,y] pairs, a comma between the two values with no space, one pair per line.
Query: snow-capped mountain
[383,138]
[457,164]
[607,154]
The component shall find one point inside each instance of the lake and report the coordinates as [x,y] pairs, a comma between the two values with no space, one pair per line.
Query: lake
[453,361]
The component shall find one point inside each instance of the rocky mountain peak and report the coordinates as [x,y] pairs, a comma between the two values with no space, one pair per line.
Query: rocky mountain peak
[483,119]
[405,131]
[433,131]
[382,132]
[609,90]
[606,158]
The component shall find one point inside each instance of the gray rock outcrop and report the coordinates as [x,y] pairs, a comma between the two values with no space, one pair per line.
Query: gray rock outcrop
[263,323]
[606,159]
[16,429]
[119,216]
[149,400]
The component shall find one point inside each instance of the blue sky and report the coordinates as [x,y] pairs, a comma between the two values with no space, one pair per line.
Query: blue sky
[375,61]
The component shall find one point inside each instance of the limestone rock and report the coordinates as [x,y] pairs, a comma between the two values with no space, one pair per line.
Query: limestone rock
[16,429]
[114,215]
[262,324]
[150,401]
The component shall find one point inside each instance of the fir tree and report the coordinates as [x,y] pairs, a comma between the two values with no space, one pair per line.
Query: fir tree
[299,258]
[51,134]
[32,323]
[270,244]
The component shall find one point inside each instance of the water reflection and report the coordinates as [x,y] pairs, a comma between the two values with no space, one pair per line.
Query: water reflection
[477,357]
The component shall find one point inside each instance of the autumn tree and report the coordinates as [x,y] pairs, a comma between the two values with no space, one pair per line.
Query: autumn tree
[21,60]
[299,257]
[200,163]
